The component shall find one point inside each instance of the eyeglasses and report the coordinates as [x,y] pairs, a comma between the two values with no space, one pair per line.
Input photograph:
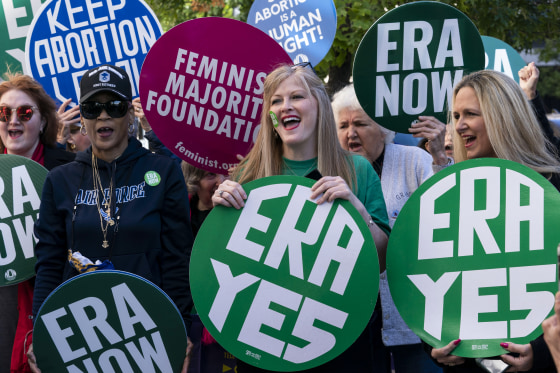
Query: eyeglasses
[92,109]
[304,65]
[24,113]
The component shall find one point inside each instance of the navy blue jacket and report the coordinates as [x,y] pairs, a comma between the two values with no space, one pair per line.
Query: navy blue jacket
[153,240]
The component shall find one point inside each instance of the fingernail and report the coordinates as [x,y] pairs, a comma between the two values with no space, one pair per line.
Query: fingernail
[457,342]
[504,345]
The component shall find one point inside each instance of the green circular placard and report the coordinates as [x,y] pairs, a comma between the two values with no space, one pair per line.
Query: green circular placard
[473,256]
[15,18]
[284,284]
[21,185]
[109,321]
[409,61]
[501,57]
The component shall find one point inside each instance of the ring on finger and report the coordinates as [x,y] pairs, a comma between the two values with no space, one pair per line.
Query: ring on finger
[220,192]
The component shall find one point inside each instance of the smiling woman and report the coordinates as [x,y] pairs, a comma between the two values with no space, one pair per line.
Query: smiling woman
[298,137]
[493,118]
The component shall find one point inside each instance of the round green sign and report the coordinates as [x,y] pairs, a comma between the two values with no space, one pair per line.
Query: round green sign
[15,18]
[473,256]
[21,185]
[409,61]
[109,321]
[284,284]
[501,57]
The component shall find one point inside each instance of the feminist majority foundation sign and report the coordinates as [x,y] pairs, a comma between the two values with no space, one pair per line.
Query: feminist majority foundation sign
[15,18]
[501,57]
[304,28]
[409,61]
[109,321]
[284,284]
[68,38]
[473,255]
[21,185]
[201,88]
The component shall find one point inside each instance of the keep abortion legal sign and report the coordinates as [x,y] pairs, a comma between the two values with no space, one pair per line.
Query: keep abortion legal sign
[68,38]
[201,89]
[21,185]
[409,61]
[109,321]
[284,284]
[473,256]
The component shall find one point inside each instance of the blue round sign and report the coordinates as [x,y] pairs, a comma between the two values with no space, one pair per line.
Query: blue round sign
[67,39]
[305,29]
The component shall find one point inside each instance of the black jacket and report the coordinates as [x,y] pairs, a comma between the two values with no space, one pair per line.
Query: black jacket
[153,240]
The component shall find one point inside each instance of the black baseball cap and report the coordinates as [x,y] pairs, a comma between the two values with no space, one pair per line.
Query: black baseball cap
[105,78]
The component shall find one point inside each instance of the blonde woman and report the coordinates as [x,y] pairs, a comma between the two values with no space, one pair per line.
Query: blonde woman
[304,142]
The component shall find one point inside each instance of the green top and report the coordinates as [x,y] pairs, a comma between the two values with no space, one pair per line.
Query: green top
[369,186]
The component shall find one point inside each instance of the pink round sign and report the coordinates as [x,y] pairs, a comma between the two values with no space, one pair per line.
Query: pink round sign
[201,89]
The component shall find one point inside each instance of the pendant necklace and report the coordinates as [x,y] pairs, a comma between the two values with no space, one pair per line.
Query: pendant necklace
[105,211]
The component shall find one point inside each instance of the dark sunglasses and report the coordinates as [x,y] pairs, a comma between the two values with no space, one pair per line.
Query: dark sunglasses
[92,109]
[24,113]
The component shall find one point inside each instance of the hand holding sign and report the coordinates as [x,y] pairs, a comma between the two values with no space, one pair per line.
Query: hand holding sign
[290,285]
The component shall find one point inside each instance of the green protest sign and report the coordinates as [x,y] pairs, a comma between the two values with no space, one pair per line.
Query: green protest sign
[15,18]
[284,284]
[501,57]
[109,321]
[473,256]
[408,62]
[21,185]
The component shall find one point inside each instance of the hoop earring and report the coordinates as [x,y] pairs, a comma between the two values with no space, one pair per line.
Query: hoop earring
[83,130]
[131,129]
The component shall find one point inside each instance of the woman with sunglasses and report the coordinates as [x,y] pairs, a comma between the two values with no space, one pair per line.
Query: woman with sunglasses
[298,137]
[117,203]
[28,127]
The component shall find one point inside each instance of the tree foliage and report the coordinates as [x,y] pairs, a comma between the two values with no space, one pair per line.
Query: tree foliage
[523,24]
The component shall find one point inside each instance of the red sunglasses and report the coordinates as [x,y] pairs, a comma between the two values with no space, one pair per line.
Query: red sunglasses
[23,112]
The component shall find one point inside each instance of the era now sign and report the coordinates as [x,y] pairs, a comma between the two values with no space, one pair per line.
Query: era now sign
[473,255]
[109,321]
[21,185]
[284,284]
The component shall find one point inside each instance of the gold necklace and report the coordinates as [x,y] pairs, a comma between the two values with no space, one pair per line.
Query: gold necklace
[104,214]
[314,165]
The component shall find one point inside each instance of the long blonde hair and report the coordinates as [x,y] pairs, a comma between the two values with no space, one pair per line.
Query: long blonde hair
[512,126]
[265,158]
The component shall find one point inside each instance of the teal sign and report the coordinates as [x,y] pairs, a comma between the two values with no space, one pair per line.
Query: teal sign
[284,284]
[409,61]
[21,185]
[109,321]
[501,57]
[473,256]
